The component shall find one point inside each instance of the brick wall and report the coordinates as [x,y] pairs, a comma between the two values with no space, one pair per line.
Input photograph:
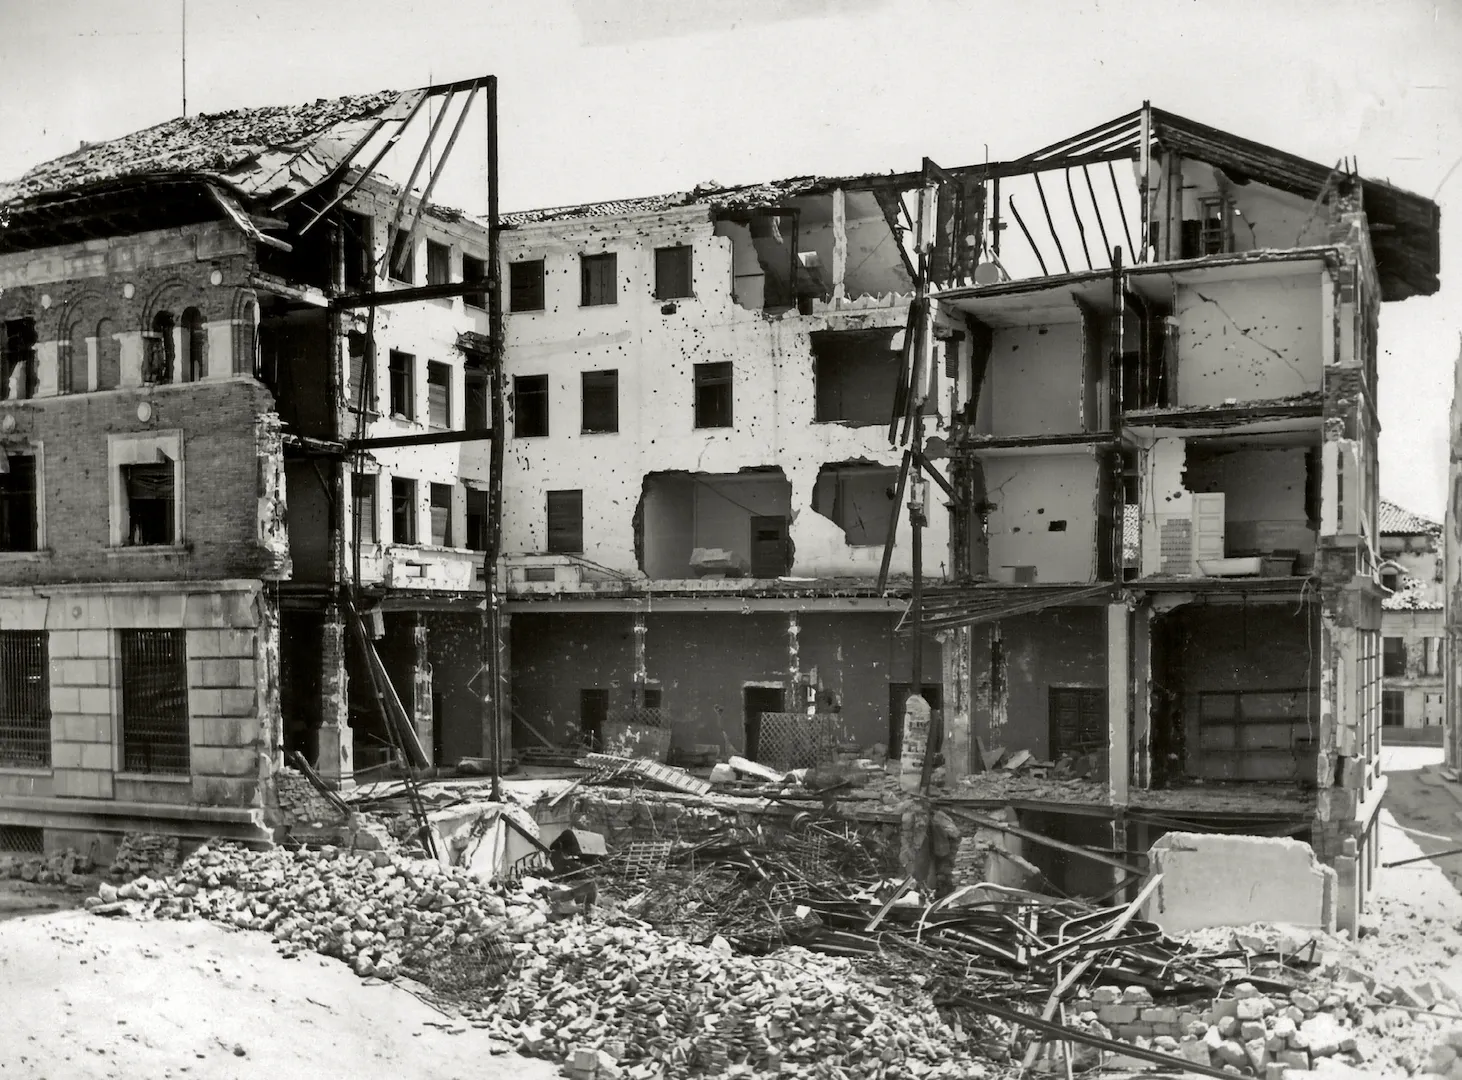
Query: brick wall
[224,452]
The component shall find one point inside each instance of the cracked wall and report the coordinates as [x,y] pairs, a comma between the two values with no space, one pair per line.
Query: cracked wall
[1248,340]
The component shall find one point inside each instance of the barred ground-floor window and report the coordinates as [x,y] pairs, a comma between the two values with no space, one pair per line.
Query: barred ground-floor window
[25,700]
[154,701]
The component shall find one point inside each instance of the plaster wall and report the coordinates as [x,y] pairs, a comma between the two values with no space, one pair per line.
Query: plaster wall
[654,346]
[1064,647]
[1421,690]
[428,331]
[1034,380]
[1030,493]
[1217,880]
[701,662]
[1253,339]
[1266,217]
[1264,496]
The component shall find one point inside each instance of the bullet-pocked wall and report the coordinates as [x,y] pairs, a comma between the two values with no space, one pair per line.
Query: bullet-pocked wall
[702,663]
[1249,334]
[705,384]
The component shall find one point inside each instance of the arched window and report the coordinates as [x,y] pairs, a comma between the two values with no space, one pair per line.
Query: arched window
[108,356]
[1390,577]
[157,360]
[78,361]
[195,345]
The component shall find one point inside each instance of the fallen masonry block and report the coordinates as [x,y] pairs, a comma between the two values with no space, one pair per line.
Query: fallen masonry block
[1218,880]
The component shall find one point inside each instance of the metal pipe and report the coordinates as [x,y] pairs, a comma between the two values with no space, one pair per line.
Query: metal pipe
[1117,191]
[492,605]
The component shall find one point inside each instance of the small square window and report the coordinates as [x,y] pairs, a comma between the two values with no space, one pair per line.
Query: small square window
[403,385]
[597,285]
[363,505]
[438,263]
[673,272]
[713,395]
[566,522]
[530,406]
[403,260]
[19,504]
[601,401]
[438,395]
[474,269]
[441,515]
[403,511]
[525,285]
[151,509]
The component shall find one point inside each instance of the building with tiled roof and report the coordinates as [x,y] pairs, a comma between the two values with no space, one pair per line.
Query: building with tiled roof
[1412,633]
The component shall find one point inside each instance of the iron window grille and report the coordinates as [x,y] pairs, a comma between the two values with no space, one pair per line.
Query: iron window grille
[154,701]
[25,700]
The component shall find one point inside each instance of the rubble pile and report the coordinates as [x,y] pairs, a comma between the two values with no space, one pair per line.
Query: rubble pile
[376,911]
[646,1002]
[1252,1032]
[1445,1059]
[145,854]
[651,1004]
[67,867]
[300,803]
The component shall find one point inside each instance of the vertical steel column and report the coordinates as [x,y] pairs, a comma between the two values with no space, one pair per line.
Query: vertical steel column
[492,605]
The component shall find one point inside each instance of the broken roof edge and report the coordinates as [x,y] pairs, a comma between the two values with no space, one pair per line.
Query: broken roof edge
[714,197]
[1043,282]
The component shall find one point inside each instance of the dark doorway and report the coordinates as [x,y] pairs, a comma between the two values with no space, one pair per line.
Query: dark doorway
[768,547]
[898,693]
[593,715]
[758,700]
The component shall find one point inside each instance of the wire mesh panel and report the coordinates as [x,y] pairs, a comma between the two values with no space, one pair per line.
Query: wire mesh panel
[154,701]
[25,700]
[797,741]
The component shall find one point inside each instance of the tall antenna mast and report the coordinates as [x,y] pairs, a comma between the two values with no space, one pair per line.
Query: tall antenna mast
[185,57]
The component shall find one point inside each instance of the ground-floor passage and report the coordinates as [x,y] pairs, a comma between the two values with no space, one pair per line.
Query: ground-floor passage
[135,705]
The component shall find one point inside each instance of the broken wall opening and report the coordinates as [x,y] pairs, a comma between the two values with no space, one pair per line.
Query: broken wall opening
[1042,515]
[1235,693]
[301,635]
[855,373]
[715,524]
[857,496]
[296,349]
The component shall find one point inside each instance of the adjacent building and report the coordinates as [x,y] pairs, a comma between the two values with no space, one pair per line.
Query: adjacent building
[182,366]
[1413,634]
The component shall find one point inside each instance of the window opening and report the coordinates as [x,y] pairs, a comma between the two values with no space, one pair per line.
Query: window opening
[530,406]
[441,515]
[18,503]
[597,285]
[438,394]
[363,495]
[600,401]
[673,272]
[403,511]
[25,699]
[403,385]
[525,285]
[713,390]
[157,364]
[154,701]
[149,490]
[566,522]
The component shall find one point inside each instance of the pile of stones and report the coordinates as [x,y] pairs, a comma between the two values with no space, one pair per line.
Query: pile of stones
[150,854]
[639,1003]
[67,867]
[1253,1033]
[1445,1060]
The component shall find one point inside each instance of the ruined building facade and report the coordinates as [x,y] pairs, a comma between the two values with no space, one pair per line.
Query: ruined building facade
[698,480]
[182,368]
[1166,470]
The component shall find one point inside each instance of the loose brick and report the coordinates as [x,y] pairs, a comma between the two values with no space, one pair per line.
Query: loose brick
[1112,1015]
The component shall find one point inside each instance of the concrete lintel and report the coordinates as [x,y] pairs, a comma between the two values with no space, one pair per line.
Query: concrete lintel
[736,604]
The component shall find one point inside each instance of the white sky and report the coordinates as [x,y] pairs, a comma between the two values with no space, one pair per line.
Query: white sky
[610,98]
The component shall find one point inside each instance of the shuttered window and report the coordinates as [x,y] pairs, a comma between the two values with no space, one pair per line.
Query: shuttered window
[438,395]
[597,279]
[1078,720]
[566,522]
